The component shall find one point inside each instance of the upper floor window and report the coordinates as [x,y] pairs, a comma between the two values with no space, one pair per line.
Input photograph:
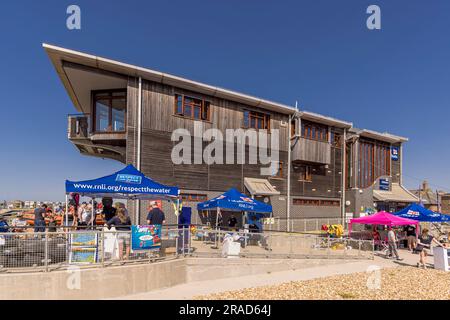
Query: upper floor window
[192,108]
[314,131]
[373,162]
[336,139]
[109,110]
[256,120]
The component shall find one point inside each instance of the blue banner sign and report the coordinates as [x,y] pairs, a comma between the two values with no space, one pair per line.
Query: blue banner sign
[394,153]
[145,237]
[384,184]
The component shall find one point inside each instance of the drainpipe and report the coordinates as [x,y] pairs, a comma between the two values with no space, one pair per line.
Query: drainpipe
[139,136]
[343,170]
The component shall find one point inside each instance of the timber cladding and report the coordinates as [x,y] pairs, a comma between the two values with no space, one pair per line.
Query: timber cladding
[159,120]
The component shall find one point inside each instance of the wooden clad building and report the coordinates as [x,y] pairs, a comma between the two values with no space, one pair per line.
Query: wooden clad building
[129,114]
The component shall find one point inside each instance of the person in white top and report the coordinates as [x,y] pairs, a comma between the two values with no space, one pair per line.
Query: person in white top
[392,243]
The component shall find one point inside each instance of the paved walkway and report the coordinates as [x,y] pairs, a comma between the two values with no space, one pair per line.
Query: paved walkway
[192,289]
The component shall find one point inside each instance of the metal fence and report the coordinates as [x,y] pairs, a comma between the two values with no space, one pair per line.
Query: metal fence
[301,224]
[209,243]
[47,251]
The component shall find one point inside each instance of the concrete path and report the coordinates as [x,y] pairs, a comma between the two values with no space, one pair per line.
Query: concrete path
[192,289]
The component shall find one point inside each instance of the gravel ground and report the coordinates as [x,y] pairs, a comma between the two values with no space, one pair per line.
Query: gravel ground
[402,283]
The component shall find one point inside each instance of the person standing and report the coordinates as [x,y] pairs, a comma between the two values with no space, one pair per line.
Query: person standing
[232,222]
[122,223]
[392,243]
[39,218]
[411,236]
[424,247]
[155,214]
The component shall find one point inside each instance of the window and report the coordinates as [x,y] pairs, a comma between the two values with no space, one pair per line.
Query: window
[314,131]
[256,120]
[192,108]
[109,110]
[277,169]
[306,173]
[194,197]
[306,202]
[316,202]
[374,162]
[336,140]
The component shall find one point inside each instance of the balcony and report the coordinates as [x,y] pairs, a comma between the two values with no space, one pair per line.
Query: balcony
[109,145]
[310,151]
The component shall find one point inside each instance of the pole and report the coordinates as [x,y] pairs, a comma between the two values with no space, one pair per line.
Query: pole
[67,210]
[93,213]
[139,137]
[288,195]
[343,175]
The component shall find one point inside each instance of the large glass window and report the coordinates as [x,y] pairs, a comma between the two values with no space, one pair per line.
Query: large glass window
[110,111]
[374,162]
[314,131]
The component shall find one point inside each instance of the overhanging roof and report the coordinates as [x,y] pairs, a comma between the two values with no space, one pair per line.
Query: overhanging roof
[382,136]
[324,119]
[260,187]
[60,55]
[397,194]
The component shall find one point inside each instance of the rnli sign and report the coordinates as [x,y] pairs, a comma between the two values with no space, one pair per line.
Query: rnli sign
[394,153]
[129,178]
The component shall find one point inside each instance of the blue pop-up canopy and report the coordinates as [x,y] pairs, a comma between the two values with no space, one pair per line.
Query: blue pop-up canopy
[128,183]
[233,200]
[420,213]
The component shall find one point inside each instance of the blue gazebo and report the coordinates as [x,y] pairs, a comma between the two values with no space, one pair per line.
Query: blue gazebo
[233,200]
[417,212]
[128,183]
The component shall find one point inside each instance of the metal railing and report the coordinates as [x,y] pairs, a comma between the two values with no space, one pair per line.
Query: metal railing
[211,243]
[47,251]
[301,224]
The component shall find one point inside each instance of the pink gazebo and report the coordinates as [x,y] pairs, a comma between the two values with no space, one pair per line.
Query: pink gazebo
[385,219]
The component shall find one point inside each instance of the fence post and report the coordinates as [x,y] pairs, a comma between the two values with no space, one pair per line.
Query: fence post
[46,250]
[103,247]
[304,225]
[328,247]
[317,225]
[176,244]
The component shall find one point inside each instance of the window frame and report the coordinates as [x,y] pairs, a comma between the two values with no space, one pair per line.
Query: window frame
[110,98]
[306,173]
[265,117]
[205,107]
[314,131]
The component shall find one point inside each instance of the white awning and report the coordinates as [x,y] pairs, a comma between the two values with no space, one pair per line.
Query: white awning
[397,194]
[260,187]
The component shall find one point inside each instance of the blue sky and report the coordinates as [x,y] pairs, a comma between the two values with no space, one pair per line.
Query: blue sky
[318,52]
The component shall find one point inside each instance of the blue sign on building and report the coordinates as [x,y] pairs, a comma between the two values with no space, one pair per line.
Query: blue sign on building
[384,184]
[394,153]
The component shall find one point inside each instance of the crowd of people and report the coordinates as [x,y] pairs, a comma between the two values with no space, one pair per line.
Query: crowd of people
[418,244]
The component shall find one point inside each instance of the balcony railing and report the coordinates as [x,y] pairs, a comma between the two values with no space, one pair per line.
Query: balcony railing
[78,126]
[307,150]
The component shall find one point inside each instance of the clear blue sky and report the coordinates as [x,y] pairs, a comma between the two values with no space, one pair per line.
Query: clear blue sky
[317,52]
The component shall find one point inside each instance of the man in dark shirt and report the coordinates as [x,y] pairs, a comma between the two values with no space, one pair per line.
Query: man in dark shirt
[155,215]
[39,218]
[232,222]
[108,210]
